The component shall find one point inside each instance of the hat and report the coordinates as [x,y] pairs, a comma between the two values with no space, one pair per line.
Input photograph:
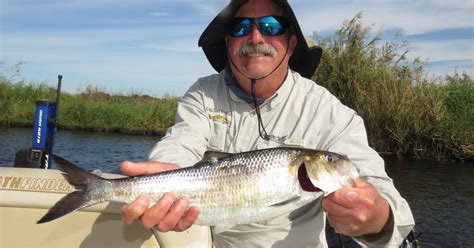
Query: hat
[304,60]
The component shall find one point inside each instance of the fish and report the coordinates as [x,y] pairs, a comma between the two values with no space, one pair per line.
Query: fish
[229,189]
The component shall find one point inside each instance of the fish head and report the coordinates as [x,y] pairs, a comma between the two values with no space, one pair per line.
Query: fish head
[326,171]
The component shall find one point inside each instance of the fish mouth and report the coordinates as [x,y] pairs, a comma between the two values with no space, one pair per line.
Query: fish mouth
[304,180]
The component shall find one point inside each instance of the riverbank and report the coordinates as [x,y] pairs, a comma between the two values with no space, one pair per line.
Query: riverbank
[440,129]
[91,110]
[405,112]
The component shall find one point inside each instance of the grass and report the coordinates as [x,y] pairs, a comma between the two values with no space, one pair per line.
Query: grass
[405,112]
[91,110]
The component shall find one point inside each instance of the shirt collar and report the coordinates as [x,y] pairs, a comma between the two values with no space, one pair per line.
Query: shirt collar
[236,89]
[240,94]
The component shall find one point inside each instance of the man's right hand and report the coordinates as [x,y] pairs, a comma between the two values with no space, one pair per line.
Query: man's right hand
[168,214]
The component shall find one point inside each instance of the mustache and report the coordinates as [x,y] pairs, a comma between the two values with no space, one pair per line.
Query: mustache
[261,48]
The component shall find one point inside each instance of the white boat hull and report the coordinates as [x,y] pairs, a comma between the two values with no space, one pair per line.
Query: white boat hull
[27,194]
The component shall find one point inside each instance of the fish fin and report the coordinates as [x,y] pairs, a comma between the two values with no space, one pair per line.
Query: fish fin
[68,204]
[74,174]
[222,228]
[212,156]
[286,202]
[81,180]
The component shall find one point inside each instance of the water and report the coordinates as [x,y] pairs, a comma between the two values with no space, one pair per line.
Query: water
[103,151]
[441,195]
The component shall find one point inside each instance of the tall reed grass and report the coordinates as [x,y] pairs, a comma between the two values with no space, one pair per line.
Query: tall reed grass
[404,112]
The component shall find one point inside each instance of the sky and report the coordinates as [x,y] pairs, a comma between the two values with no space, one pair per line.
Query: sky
[150,46]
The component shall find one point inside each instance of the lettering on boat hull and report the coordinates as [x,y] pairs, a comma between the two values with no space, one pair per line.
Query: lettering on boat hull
[35,184]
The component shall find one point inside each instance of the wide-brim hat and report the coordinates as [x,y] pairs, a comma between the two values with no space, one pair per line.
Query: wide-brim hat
[304,60]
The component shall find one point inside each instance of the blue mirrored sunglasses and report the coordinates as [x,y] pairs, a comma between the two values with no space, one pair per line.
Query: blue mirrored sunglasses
[267,25]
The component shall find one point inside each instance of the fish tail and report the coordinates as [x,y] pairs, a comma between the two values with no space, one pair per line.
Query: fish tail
[84,182]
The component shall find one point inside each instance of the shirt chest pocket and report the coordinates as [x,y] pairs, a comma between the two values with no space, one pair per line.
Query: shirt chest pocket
[217,139]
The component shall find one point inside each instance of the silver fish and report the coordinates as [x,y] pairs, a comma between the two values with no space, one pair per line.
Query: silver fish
[229,189]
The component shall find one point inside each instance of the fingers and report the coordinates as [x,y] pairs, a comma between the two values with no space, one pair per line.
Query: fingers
[347,221]
[155,214]
[357,211]
[363,193]
[346,198]
[342,226]
[347,201]
[134,210]
[188,220]
[167,214]
[360,183]
[142,168]
[174,215]
[332,207]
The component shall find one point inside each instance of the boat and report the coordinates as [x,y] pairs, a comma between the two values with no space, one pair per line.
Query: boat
[30,188]
[26,194]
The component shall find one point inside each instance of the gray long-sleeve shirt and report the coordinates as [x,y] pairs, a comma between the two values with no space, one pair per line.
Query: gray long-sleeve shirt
[301,113]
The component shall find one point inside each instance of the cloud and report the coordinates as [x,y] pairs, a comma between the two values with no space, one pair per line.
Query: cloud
[410,16]
[439,32]
[14,7]
[443,50]
[151,45]
[152,72]
[208,7]
[456,33]
[181,46]
[159,14]
[141,50]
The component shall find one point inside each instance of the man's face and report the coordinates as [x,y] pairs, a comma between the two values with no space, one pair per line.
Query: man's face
[257,65]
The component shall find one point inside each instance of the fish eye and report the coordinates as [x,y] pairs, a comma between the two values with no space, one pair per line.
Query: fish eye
[330,158]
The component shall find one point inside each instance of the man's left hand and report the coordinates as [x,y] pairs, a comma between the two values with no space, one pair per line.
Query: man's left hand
[357,211]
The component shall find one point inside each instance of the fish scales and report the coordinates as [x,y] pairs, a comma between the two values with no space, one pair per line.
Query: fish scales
[238,184]
[232,189]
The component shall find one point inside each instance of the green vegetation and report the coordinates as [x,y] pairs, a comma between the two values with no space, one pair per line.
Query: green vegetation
[405,112]
[92,110]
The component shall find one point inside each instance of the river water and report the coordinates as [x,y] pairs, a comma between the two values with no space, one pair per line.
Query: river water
[441,195]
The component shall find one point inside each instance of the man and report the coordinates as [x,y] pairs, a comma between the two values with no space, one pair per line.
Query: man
[260,99]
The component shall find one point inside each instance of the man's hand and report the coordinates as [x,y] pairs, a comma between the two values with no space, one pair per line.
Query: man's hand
[168,214]
[358,211]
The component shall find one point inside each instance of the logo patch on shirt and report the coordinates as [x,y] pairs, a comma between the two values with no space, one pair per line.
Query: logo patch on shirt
[218,116]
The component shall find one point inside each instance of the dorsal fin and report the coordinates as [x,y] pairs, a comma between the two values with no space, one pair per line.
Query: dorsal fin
[212,156]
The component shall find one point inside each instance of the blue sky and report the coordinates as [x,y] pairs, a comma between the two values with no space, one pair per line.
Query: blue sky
[150,46]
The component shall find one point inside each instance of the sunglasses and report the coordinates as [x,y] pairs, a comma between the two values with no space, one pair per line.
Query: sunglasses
[267,25]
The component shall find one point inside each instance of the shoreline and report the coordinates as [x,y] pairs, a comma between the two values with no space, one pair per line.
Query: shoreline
[384,154]
[135,132]
[405,111]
